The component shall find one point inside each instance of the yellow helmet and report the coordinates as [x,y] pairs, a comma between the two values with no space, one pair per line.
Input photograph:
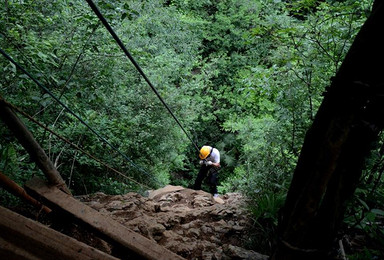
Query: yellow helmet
[205,151]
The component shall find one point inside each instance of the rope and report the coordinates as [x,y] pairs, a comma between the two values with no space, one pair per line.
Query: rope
[73,113]
[29,117]
[121,45]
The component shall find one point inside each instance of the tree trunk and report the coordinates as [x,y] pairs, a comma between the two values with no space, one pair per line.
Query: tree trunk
[27,140]
[332,157]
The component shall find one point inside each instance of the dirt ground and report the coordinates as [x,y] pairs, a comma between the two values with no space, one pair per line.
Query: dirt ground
[190,223]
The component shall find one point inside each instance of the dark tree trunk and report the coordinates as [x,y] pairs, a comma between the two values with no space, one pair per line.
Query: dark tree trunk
[332,157]
[27,140]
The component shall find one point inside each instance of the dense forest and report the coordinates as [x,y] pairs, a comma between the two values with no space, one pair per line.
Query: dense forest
[244,76]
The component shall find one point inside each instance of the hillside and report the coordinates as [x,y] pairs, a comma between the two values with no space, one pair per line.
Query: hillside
[188,222]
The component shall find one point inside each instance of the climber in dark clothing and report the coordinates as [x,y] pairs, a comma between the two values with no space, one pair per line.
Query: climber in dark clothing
[210,162]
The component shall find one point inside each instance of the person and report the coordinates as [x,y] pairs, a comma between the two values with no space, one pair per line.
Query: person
[210,163]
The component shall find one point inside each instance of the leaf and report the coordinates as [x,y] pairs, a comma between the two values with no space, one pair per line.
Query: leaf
[364,204]
[370,217]
[42,55]
[13,67]
[24,76]
[378,212]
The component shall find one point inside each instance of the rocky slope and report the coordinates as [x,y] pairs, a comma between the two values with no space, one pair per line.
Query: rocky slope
[190,223]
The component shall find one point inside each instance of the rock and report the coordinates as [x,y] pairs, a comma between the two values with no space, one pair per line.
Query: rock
[206,229]
[96,205]
[156,231]
[194,232]
[201,201]
[114,205]
[218,254]
[166,189]
[219,200]
[239,253]
[207,255]
[190,223]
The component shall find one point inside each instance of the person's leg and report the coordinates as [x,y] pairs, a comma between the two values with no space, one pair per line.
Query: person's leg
[200,177]
[213,181]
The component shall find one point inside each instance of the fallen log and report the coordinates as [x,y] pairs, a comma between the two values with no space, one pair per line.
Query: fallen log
[112,231]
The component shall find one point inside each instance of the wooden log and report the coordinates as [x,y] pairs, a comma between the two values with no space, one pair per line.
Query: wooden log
[18,191]
[23,238]
[113,231]
[26,139]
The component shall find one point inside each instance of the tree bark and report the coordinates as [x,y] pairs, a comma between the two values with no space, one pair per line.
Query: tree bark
[332,158]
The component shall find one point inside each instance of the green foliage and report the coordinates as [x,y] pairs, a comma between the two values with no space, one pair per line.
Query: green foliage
[365,254]
[74,57]
[15,164]
[264,207]
[365,212]
[244,76]
[111,186]
[267,207]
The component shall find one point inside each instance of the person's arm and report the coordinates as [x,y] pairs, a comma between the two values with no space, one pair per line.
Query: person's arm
[213,163]
[216,164]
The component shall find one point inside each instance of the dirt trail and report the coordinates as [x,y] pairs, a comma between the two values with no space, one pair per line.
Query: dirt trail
[190,223]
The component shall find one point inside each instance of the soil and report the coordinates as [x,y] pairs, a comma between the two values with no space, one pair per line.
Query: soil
[190,223]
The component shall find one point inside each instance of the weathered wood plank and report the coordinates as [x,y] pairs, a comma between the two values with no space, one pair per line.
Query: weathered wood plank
[11,251]
[125,237]
[23,238]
